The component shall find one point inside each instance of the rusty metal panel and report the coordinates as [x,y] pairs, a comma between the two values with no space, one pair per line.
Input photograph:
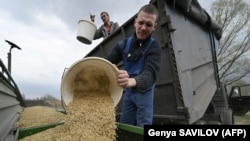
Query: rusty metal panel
[195,63]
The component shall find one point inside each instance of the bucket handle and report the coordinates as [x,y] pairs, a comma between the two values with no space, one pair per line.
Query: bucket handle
[65,69]
[63,104]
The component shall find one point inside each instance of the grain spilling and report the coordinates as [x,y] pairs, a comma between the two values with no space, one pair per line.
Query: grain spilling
[91,114]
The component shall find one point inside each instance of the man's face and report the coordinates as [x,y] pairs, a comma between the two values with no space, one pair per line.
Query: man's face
[105,18]
[144,25]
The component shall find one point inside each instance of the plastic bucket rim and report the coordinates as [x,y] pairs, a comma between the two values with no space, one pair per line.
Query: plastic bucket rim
[64,94]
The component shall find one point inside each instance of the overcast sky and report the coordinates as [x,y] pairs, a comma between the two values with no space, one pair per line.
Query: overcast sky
[46,31]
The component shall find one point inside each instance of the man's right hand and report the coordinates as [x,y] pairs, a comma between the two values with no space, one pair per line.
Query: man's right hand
[123,79]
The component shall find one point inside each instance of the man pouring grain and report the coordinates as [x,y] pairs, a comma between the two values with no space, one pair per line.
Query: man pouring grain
[141,56]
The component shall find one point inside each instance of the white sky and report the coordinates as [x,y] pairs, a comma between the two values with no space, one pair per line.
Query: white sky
[46,31]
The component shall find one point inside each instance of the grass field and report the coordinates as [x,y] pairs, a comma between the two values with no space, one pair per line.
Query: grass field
[245,120]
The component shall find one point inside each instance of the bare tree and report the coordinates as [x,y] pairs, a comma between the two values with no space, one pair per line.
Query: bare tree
[234,17]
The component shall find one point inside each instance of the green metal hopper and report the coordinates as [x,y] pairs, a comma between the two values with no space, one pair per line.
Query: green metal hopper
[124,132]
[24,132]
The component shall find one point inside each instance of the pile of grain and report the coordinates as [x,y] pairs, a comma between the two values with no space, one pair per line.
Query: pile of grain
[91,114]
[39,115]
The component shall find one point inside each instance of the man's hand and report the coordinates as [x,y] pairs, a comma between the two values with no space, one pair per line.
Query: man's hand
[92,18]
[123,79]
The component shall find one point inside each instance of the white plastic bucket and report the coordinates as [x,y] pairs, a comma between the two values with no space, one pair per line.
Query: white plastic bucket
[86,31]
[99,64]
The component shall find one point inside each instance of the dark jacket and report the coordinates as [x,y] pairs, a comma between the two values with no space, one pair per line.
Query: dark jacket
[152,60]
[102,32]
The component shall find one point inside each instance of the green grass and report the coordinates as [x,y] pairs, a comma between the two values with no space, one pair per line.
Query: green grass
[245,120]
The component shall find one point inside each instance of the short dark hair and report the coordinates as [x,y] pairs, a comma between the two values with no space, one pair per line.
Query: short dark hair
[104,12]
[151,9]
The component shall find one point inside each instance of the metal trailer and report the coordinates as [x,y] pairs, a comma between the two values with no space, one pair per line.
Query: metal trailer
[11,105]
[188,89]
